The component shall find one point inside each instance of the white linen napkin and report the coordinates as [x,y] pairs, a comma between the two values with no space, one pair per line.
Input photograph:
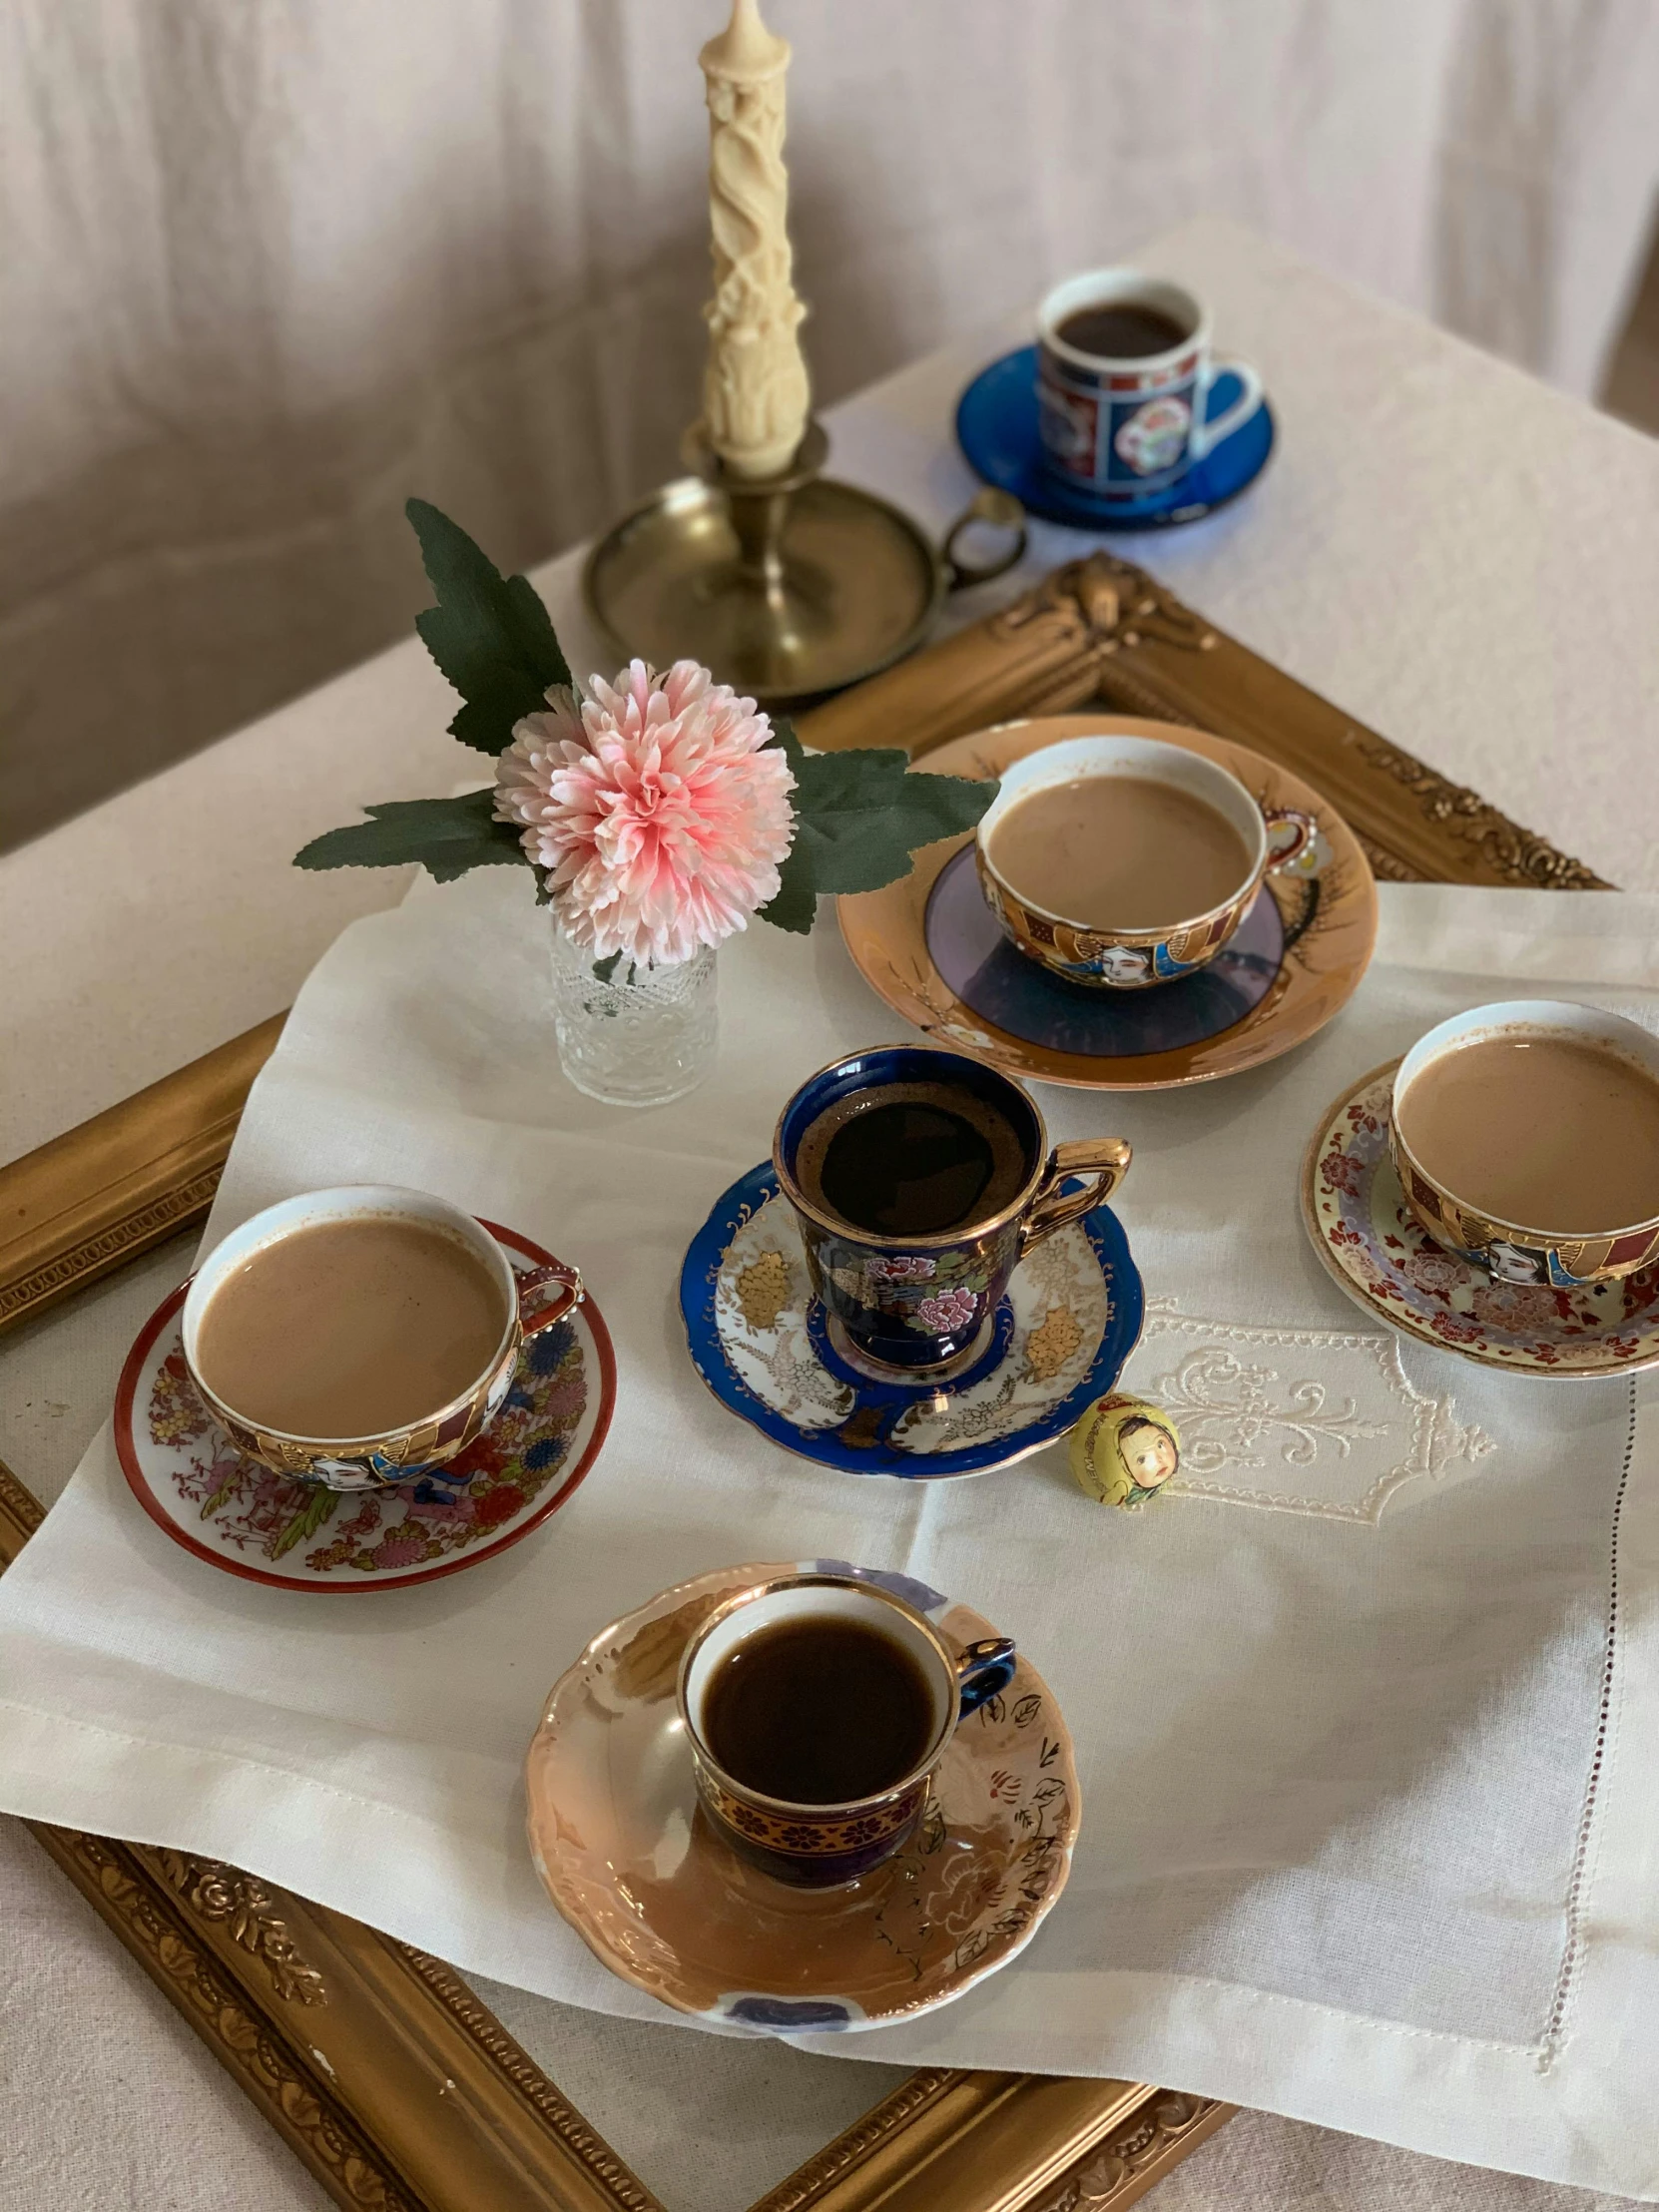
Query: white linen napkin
[1365,1717]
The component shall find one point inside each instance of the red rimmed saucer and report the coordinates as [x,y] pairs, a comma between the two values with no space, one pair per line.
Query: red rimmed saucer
[236,1514]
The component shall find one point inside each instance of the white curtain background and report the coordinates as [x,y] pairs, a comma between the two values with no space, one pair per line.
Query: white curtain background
[271,266]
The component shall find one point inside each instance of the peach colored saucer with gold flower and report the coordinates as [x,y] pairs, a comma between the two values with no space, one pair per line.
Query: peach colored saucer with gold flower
[930,946]
[630,1860]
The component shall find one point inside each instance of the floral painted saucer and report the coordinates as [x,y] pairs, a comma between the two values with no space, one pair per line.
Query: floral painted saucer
[930,946]
[630,1860]
[1356,1214]
[997,428]
[1070,1320]
[237,1514]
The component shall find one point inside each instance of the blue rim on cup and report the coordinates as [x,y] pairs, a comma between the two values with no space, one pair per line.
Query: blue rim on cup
[823,1846]
[1122,426]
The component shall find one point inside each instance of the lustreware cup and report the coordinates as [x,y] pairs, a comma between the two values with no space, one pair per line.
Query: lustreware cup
[1127,958]
[1120,426]
[818,1846]
[529,1304]
[1522,1252]
[925,1304]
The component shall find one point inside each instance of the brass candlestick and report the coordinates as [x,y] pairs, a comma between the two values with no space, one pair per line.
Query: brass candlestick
[786,587]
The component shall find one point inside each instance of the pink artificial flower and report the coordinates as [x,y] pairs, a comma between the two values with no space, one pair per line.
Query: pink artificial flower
[657,808]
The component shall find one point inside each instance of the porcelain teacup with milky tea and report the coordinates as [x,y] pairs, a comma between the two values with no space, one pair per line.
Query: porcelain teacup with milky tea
[1514,1251]
[530,1303]
[1273,840]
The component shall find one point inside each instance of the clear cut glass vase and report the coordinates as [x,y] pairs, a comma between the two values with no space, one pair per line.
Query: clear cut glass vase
[631,1035]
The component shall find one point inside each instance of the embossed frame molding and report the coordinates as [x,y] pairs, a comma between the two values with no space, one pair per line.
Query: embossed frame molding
[376,2064]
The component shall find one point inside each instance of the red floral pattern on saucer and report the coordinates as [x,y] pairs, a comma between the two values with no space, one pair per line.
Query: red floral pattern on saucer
[1356,1214]
[240,1515]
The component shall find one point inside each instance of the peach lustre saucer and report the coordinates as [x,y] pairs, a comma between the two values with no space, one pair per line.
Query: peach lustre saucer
[930,946]
[630,1860]
[1373,1249]
[227,1510]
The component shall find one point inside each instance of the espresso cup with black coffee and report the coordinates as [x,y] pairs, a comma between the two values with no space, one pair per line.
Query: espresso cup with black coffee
[818,1708]
[1124,370]
[919,1178]
[362,1336]
[1119,862]
[1526,1139]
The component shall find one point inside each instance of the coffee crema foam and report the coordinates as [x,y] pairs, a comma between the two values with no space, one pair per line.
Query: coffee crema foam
[1119,852]
[348,1328]
[1550,1132]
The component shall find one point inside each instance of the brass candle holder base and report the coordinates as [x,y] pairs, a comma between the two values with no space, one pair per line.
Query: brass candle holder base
[787,587]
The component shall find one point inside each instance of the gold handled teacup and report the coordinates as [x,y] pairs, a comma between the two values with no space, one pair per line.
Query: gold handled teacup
[1526,1139]
[511,1306]
[918,1296]
[1133,952]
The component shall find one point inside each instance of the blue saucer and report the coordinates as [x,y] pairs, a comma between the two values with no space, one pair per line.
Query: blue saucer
[996,428]
[1060,1339]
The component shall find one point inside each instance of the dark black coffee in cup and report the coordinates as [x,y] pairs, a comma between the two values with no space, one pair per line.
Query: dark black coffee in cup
[912,1159]
[919,1177]
[818,1711]
[1121,330]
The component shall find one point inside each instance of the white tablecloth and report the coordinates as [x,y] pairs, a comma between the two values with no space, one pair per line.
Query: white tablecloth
[1369,1826]
[1521,584]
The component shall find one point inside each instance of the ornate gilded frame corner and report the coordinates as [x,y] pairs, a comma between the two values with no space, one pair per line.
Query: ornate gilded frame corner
[376,2064]
[1103,631]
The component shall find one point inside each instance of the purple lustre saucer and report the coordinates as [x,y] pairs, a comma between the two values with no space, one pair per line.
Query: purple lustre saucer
[1001,984]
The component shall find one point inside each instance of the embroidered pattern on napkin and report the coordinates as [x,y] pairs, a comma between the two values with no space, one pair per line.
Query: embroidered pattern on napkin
[1296,1420]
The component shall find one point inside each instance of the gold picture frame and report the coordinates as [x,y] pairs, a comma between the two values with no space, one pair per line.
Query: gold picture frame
[382,2070]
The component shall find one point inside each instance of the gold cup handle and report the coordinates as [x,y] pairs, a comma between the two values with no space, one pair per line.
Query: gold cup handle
[1107,1158]
[996,510]
[566,1286]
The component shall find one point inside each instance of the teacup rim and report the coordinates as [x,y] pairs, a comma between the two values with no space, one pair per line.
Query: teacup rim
[1126,932]
[840,1808]
[923,1241]
[1128,278]
[1521,1013]
[343,1447]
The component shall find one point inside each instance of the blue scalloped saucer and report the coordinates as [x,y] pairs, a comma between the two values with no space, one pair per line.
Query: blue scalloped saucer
[1071,1319]
[996,428]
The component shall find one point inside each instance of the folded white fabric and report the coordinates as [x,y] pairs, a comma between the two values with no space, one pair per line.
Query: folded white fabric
[1364,1715]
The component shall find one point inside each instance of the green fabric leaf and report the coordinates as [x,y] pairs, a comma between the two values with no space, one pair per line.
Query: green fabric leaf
[860,816]
[447,835]
[489,634]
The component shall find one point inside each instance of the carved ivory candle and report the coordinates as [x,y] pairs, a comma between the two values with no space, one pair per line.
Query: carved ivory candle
[755,398]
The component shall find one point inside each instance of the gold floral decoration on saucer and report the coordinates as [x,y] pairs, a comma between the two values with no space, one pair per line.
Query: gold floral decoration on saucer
[635,1866]
[930,948]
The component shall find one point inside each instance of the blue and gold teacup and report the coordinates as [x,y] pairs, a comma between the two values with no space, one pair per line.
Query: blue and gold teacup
[910,1273]
[1130,958]
[822,1844]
